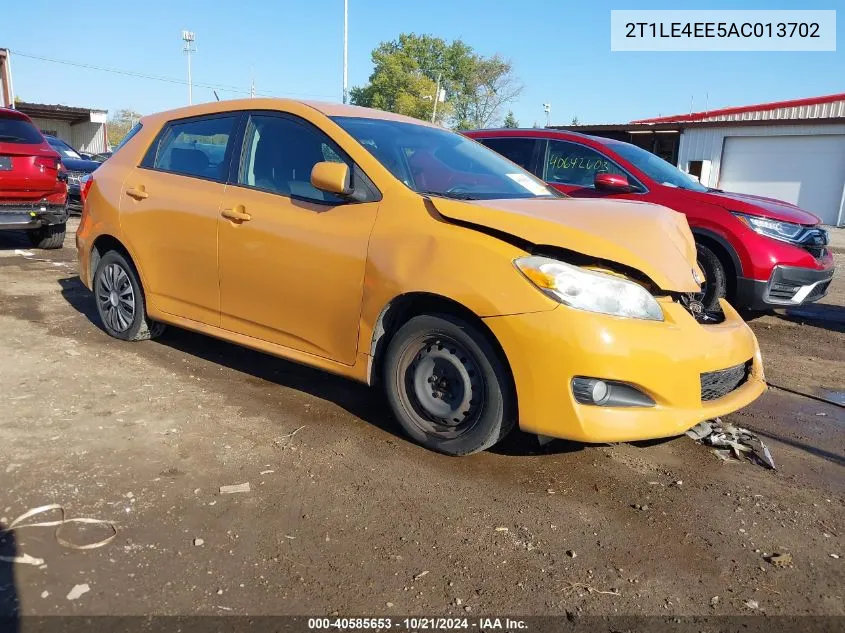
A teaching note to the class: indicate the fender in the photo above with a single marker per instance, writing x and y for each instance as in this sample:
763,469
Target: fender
724,243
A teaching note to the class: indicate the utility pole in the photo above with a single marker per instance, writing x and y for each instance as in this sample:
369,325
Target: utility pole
436,99
345,48
547,108
252,83
188,37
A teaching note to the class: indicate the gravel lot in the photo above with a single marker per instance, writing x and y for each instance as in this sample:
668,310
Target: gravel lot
344,515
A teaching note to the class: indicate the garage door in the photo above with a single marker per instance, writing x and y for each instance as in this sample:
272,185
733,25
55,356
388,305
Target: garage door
806,170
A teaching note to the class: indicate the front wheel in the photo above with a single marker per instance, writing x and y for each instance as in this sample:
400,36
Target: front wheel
120,300
48,237
447,386
715,284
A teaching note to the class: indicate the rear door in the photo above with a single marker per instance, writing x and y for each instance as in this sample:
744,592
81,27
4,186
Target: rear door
169,209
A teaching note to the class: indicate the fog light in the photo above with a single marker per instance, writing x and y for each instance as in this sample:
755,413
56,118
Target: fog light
608,393
590,390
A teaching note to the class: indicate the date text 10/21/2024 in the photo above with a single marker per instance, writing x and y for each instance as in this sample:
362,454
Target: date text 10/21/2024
416,624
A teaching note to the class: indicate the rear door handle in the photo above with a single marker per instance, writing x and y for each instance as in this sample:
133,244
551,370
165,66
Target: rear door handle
236,214
137,193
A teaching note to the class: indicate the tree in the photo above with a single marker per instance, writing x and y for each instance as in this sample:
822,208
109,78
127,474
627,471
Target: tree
120,123
406,71
575,121
510,120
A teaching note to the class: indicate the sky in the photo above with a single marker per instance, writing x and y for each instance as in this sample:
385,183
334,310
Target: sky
560,51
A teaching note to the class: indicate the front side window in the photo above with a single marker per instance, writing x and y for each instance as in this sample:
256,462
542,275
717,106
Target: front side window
279,154
434,161
576,164
521,151
657,168
196,147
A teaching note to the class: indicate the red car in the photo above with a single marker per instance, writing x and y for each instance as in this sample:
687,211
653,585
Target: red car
33,189
757,252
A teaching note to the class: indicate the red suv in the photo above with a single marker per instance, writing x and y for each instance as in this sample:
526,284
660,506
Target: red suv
33,188
757,252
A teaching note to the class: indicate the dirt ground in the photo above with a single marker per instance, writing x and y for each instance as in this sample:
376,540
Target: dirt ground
346,516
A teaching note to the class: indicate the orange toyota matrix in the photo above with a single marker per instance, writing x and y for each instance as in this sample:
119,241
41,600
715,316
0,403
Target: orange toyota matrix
398,253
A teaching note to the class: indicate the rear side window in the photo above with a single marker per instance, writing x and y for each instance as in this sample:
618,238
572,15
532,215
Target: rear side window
15,130
196,147
522,151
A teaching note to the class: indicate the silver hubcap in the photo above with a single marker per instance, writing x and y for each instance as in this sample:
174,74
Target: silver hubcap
115,298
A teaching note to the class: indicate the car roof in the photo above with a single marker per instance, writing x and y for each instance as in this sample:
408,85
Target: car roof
328,109
540,133
14,114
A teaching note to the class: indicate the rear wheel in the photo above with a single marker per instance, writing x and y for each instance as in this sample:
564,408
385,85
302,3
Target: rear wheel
120,300
447,385
715,284
48,237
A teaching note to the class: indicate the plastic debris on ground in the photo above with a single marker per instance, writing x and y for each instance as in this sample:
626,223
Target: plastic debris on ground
732,442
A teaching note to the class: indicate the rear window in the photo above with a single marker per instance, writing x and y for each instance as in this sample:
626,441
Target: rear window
194,147
14,130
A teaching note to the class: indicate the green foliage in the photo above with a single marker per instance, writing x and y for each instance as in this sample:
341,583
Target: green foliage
405,73
120,123
510,120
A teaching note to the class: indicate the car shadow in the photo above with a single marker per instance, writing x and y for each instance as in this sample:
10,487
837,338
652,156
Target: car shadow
364,402
821,315
13,240
9,600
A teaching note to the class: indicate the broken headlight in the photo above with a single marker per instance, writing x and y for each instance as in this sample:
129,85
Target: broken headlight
590,290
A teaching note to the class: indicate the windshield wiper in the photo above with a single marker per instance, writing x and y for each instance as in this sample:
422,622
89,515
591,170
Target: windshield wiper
454,195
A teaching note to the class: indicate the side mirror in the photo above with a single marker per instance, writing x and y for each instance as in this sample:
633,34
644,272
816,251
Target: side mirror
616,183
331,177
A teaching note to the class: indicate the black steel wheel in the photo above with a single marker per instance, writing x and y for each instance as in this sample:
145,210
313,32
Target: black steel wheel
447,385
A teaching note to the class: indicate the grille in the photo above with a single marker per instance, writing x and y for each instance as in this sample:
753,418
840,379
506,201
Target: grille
715,384
74,176
818,291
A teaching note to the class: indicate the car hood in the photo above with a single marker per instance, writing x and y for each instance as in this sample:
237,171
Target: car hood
80,164
762,206
649,238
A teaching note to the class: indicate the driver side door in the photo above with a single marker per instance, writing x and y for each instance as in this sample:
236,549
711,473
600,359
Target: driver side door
291,257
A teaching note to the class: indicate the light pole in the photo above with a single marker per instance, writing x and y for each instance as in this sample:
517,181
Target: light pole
547,108
345,47
189,38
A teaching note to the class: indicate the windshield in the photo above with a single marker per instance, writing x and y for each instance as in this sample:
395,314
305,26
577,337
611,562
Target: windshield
433,161
657,168
63,148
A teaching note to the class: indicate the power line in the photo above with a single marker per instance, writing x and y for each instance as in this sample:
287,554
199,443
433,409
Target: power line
172,80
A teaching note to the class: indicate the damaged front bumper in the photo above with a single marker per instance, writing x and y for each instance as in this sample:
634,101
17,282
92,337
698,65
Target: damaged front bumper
17,216
688,371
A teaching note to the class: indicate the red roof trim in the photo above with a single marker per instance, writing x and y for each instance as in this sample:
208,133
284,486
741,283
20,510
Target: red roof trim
700,116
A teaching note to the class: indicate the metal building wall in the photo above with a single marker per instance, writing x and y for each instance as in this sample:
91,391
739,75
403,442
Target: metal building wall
85,137
706,143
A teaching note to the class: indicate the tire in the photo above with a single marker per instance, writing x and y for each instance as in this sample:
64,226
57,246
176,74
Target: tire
48,237
120,300
471,408
715,282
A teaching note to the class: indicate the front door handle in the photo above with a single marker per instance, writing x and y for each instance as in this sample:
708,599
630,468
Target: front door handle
137,192
236,214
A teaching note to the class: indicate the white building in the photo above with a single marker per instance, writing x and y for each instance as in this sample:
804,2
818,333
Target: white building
84,129
790,150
